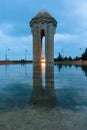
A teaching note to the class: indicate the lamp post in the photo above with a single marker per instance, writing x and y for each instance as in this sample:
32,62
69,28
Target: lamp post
25,55
6,54
62,52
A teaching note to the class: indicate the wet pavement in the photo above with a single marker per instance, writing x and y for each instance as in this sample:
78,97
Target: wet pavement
43,97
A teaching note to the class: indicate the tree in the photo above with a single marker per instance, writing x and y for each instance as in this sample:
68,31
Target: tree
59,57
65,58
77,58
84,55
70,58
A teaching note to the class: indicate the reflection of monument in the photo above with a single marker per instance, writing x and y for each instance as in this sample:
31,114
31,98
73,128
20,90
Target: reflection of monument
43,96
43,25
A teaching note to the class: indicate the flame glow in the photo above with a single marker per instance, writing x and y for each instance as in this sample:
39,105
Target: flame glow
43,63
43,60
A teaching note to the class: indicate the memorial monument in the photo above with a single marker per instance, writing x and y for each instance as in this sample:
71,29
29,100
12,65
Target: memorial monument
43,25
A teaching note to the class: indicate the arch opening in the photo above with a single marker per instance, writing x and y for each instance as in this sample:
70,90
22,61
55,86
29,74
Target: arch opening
43,46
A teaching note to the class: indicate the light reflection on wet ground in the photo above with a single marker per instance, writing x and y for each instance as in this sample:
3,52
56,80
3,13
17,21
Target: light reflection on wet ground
35,97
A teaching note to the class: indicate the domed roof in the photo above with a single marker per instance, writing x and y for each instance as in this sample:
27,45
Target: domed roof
44,13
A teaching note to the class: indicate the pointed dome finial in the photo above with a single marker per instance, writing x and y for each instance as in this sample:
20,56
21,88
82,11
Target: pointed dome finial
43,12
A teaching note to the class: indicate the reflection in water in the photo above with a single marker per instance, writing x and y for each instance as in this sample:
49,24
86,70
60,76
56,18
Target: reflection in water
25,70
60,66
22,107
43,96
6,69
19,89
84,68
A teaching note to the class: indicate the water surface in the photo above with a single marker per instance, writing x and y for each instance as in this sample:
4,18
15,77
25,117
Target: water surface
52,96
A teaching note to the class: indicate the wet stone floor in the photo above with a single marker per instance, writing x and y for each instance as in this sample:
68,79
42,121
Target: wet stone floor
43,97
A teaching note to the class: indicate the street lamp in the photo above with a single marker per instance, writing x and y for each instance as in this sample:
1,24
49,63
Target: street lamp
6,54
25,55
62,52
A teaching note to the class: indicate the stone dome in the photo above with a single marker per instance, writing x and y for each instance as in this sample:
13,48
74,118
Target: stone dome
43,15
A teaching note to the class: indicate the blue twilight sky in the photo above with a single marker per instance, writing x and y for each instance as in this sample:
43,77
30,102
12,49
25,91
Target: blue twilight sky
15,33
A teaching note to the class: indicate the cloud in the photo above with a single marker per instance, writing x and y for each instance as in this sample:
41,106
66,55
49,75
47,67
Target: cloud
6,27
64,37
17,45
15,31
81,13
12,41
82,9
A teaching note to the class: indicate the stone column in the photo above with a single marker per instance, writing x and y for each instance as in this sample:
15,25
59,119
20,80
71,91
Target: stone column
36,46
50,44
